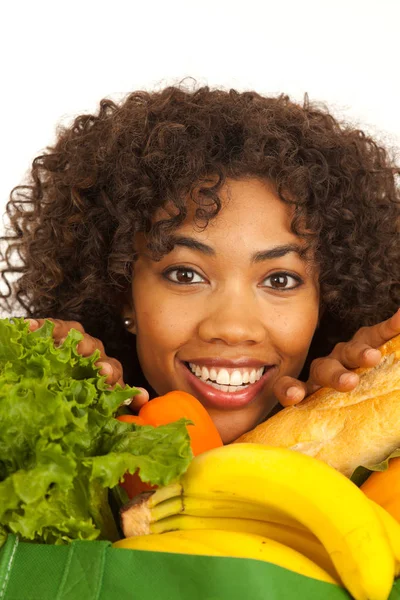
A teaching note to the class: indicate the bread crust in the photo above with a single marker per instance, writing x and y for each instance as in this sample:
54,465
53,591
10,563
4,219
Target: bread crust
344,429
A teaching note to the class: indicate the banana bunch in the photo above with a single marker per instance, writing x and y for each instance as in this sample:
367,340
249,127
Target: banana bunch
274,504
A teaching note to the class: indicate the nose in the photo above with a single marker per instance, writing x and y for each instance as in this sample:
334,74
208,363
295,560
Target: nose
233,320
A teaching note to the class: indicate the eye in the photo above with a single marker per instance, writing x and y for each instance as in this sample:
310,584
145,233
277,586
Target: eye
183,276
282,281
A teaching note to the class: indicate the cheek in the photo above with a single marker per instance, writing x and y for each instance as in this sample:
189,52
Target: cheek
162,328
294,331
158,325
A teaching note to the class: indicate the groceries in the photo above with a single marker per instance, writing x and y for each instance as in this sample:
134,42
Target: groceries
63,452
167,409
61,449
345,429
290,490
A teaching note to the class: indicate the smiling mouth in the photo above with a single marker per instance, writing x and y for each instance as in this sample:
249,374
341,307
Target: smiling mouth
226,379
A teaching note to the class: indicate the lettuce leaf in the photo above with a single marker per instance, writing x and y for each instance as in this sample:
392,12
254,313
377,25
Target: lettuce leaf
61,448
361,473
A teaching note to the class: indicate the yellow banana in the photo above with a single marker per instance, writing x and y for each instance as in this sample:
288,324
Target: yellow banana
392,528
308,490
218,507
298,539
228,543
137,516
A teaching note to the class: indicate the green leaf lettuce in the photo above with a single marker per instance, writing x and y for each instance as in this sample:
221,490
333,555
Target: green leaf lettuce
61,448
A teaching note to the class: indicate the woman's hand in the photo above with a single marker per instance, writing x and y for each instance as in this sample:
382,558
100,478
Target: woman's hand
333,370
110,367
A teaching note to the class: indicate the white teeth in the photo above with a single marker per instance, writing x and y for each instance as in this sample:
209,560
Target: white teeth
223,377
213,374
221,388
230,379
236,378
204,374
226,388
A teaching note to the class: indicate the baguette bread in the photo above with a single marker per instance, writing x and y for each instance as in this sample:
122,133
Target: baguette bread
344,429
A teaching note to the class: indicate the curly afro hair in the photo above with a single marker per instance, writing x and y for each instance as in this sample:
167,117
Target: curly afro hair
70,250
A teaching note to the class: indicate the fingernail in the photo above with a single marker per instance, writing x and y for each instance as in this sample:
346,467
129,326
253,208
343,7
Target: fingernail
60,342
105,368
371,353
33,324
348,379
294,393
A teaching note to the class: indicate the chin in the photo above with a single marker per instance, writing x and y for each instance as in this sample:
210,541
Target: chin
231,426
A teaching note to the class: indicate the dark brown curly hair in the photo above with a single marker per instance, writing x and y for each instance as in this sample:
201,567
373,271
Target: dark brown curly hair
69,251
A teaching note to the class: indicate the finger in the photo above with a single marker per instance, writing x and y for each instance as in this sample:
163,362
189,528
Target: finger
109,367
112,369
33,324
61,328
329,372
376,335
354,354
89,344
122,384
137,401
289,390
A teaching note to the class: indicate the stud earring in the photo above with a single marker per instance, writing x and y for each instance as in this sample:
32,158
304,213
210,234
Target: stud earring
128,323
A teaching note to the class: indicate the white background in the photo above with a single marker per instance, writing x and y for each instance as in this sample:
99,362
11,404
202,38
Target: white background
58,59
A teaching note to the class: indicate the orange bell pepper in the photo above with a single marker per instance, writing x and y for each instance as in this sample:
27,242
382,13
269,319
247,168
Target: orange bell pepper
167,409
384,488
132,419
177,405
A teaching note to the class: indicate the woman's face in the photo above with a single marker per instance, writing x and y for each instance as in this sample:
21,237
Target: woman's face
229,310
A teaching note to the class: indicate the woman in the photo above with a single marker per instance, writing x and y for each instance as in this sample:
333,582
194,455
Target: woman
241,248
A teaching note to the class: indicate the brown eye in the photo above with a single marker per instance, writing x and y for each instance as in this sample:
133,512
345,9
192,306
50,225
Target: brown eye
279,281
183,276
282,281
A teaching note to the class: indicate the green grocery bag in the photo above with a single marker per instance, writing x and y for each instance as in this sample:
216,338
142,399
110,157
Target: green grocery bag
97,571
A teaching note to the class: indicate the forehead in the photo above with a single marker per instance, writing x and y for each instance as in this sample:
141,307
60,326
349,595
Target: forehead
250,209
243,202
252,218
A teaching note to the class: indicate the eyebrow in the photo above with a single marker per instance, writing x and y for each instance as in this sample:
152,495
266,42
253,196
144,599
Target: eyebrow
257,257
188,242
278,252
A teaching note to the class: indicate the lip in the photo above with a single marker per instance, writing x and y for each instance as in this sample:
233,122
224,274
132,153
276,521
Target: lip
213,398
